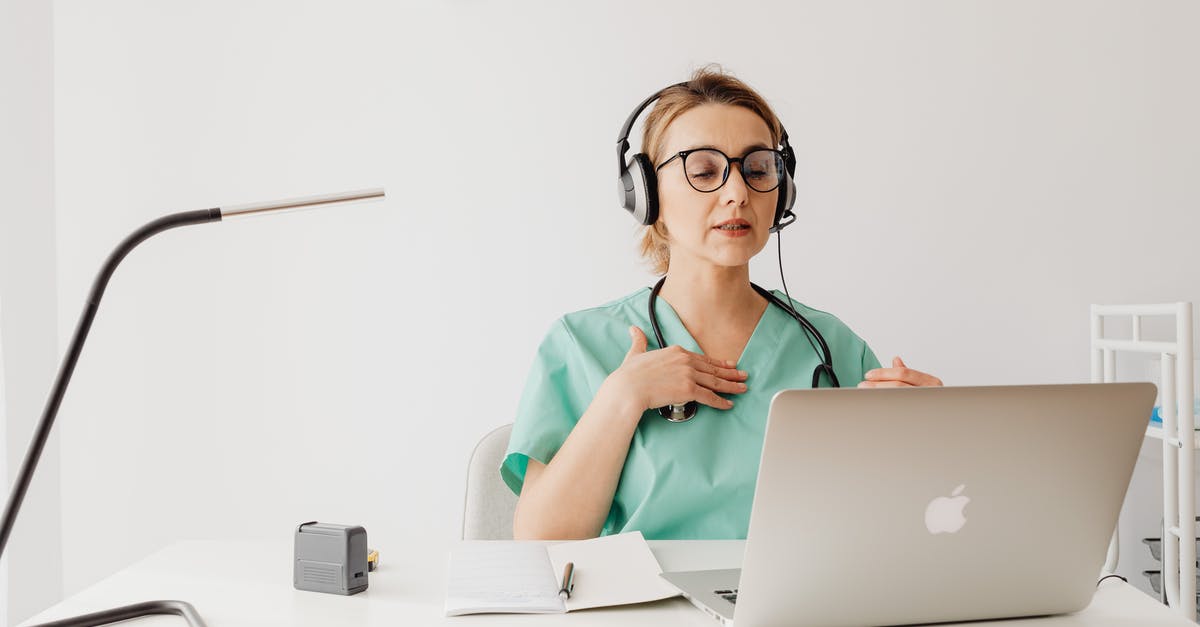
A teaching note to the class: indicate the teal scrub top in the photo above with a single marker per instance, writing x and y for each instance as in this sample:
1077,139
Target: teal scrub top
686,480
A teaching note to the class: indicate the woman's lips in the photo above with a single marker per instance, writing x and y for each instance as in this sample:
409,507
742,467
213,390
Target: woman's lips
733,228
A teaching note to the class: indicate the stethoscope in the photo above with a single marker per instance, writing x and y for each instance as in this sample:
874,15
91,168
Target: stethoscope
685,412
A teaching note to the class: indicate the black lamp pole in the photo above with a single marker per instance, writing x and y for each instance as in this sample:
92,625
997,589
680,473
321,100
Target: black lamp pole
42,432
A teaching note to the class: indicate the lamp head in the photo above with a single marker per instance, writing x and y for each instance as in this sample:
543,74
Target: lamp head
304,202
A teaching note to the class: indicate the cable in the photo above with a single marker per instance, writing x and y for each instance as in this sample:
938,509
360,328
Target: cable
1107,576
827,367
779,256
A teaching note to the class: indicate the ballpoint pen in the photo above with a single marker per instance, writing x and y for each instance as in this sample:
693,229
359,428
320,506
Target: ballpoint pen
568,581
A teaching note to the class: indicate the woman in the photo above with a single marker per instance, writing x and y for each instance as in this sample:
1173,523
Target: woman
589,453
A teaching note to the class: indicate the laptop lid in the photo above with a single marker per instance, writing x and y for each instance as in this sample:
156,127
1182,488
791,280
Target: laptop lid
916,505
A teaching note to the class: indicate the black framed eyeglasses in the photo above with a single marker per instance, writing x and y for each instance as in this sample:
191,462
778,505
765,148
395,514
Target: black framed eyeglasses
707,169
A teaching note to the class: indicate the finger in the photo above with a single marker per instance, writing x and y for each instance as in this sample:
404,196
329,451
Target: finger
720,363
898,363
907,375
717,384
886,384
638,342
730,374
710,398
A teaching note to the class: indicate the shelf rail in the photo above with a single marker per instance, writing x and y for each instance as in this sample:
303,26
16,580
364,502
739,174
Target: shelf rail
1179,451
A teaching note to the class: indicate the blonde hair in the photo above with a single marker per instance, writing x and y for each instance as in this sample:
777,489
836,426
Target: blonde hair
708,85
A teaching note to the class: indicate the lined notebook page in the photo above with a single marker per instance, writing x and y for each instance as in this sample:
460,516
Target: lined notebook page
490,576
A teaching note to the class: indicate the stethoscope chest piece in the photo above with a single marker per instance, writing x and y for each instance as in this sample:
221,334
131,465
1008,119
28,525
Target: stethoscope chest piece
679,413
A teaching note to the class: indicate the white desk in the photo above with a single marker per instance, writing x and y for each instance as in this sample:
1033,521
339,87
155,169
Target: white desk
250,583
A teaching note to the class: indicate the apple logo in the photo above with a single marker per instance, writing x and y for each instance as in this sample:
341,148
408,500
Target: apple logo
945,513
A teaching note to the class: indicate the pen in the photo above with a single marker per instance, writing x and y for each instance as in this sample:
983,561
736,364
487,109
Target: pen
568,583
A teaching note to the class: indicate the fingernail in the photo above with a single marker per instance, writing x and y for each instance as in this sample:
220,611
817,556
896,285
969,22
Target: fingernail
743,387
742,373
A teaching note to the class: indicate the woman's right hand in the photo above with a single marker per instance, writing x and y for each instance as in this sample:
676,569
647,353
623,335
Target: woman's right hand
674,376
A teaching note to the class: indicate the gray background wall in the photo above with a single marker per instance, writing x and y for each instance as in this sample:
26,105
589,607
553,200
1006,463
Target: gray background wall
27,298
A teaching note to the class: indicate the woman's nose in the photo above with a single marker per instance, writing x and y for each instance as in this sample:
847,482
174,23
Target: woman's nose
735,187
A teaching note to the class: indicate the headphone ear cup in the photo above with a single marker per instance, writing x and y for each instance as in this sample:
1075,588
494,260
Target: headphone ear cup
639,190
783,205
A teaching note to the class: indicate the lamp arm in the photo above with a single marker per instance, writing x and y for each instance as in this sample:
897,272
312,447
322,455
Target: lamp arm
42,433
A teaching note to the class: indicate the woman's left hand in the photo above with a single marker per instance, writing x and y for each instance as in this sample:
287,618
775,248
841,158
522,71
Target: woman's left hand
898,376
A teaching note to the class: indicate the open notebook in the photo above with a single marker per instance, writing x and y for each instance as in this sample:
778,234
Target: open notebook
488,576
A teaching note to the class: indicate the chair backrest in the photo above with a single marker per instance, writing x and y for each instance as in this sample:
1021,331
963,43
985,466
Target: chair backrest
489,505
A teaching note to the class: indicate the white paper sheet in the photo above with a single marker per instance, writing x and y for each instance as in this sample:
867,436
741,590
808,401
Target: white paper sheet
612,570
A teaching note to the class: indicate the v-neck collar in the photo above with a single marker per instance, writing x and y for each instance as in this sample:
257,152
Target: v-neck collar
674,332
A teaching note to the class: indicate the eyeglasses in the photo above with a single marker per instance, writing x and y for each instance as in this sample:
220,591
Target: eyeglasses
707,169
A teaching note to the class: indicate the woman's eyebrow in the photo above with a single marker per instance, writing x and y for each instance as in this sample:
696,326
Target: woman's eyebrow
755,146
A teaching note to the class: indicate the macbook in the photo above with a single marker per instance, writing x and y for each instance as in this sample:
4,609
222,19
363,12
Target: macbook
921,505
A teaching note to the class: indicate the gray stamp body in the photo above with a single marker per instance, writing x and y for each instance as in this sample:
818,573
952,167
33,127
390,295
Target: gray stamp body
330,558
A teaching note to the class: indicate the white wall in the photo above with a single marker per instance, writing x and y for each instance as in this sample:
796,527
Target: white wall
972,175
4,477
27,301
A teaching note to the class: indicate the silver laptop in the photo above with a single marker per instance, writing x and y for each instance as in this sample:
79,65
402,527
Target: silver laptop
920,505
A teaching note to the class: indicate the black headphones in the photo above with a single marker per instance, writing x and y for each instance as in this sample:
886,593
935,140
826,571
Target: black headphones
637,183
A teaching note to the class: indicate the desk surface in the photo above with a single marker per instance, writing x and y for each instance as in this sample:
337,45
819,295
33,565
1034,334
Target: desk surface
250,583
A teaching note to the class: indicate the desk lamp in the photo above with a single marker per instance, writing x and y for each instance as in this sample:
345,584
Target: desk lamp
42,432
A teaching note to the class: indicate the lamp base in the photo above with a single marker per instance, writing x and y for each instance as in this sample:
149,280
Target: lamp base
117,614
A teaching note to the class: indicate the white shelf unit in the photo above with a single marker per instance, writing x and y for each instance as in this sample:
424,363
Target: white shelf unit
1179,439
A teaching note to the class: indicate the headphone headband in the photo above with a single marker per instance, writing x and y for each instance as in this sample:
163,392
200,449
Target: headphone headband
623,140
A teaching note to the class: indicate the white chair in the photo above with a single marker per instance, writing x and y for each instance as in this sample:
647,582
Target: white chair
489,505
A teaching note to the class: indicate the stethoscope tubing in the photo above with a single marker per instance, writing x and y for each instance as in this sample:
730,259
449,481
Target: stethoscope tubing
685,412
